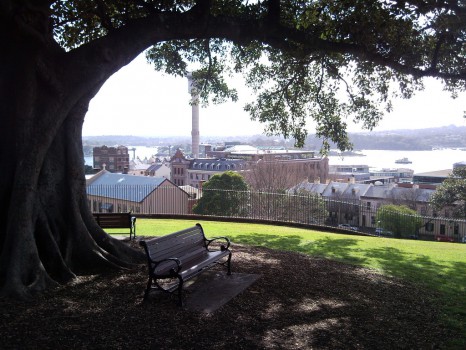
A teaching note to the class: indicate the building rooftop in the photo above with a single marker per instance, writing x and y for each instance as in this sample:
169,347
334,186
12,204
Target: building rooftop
437,173
110,185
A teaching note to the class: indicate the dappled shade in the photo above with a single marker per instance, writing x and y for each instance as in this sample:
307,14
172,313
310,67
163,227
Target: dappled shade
298,302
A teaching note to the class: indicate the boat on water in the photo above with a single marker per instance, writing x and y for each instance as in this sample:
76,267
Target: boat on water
403,161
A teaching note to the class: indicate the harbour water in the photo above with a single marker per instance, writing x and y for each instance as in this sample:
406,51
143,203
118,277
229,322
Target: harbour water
422,161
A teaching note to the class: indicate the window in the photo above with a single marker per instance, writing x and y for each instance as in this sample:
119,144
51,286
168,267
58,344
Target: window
372,220
430,227
442,229
368,205
456,229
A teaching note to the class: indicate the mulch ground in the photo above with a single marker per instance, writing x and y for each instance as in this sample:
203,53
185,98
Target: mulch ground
299,302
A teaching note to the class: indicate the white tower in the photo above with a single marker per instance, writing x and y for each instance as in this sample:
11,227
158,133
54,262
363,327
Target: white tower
195,116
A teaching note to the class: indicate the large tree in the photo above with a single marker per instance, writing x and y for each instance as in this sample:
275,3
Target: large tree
451,194
300,57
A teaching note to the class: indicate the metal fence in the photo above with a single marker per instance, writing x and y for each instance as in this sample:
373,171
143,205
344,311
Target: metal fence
302,208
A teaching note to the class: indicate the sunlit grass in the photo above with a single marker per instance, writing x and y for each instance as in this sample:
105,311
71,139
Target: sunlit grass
438,266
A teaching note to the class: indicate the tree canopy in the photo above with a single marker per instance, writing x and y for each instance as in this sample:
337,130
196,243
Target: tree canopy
222,195
328,61
399,219
451,194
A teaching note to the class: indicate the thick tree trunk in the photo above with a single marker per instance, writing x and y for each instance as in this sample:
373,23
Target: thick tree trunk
47,233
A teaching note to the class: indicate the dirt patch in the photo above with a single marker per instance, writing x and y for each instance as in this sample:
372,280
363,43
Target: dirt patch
298,302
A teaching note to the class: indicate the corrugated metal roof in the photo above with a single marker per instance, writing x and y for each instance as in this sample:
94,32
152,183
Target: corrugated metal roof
122,186
154,167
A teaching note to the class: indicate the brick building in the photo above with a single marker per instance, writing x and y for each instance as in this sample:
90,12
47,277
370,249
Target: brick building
113,159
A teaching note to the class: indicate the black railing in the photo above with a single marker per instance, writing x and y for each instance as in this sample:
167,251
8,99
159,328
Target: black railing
302,208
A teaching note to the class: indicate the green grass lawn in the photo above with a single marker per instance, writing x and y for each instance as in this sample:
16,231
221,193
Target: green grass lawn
438,266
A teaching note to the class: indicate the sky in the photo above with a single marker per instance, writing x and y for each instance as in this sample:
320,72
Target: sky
139,101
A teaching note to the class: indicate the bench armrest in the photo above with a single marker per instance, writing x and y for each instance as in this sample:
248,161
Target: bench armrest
133,225
176,260
222,247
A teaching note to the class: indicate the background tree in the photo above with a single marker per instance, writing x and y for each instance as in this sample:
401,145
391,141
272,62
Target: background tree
401,220
307,207
452,194
223,195
297,56
276,176
414,198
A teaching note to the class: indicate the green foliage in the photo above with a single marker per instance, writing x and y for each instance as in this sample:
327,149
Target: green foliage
310,205
399,219
88,170
452,193
330,62
222,195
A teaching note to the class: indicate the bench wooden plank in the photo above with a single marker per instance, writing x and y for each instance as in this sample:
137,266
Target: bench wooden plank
182,255
117,220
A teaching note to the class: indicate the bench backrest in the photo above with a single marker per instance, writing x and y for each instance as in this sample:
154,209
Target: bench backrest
188,243
113,220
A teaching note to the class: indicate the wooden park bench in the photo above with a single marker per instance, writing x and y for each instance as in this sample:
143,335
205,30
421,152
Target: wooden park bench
182,255
117,220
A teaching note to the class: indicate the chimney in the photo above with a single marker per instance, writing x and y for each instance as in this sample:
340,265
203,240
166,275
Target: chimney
195,116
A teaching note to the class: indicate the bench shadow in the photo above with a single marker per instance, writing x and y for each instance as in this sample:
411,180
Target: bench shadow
299,302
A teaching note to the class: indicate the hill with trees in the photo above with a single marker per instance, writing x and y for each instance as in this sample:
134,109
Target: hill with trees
403,140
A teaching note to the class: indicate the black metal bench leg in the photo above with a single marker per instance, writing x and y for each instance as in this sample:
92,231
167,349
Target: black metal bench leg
229,264
148,288
180,292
